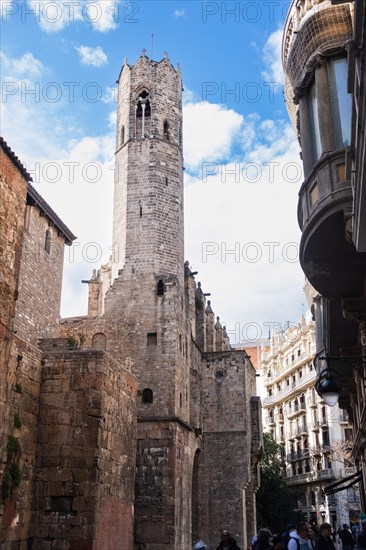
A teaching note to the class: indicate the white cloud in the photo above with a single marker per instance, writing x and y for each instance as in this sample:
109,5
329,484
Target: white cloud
241,227
209,131
180,13
102,15
272,56
27,65
95,57
110,95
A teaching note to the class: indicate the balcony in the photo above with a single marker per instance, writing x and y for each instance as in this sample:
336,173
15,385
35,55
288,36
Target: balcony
328,473
327,256
288,390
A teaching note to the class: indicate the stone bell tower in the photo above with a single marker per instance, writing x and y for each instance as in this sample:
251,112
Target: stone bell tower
145,304
148,201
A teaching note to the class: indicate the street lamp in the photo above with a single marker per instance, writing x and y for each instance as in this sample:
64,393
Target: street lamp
327,383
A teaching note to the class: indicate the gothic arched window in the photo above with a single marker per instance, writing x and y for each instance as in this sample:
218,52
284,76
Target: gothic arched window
143,114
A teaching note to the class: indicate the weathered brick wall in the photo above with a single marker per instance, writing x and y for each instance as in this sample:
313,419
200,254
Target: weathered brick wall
38,307
86,449
18,442
15,407
13,192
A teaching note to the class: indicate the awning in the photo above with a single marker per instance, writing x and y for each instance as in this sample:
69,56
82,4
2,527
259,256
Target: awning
339,485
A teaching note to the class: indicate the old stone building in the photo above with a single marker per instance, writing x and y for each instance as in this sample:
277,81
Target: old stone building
177,460
323,56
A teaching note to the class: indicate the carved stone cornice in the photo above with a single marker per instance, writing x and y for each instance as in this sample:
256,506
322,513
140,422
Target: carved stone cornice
354,308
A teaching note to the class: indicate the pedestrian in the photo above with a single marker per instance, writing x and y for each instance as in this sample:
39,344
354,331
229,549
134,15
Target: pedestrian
263,539
277,542
291,528
227,542
298,538
312,536
346,537
200,545
325,541
361,536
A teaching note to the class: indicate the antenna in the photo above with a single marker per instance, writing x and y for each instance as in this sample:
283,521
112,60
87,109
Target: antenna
152,46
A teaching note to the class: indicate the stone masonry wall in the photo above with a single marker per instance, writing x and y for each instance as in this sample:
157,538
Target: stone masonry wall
38,307
225,465
86,449
18,442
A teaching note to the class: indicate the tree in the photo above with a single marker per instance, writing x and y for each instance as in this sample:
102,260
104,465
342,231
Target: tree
276,502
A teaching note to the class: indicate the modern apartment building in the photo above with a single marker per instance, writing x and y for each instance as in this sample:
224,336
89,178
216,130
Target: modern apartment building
324,60
315,439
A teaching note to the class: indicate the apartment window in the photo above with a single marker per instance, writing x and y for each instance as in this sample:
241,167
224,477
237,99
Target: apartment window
341,101
341,172
314,122
314,194
287,381
348,434
300,373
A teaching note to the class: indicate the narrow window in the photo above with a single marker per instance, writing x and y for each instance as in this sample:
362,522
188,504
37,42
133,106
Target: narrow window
166,181
99,341
147,395
27,217
160,288
122,135
166,130
341,172
314,194
341,101
47,241
152,339
314,120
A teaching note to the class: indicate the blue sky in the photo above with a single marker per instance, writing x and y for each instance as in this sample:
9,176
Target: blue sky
60,63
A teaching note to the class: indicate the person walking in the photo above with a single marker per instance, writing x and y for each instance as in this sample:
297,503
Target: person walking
298,538
325,541
312,536
200,545
263,540
227,542
346,538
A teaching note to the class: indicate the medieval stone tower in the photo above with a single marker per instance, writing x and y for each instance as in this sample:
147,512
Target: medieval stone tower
146,434
148,290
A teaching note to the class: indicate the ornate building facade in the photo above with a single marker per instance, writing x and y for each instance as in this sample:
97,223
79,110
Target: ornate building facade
149,431
315,439
324,62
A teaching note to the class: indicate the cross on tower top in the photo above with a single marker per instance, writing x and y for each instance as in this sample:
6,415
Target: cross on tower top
144,52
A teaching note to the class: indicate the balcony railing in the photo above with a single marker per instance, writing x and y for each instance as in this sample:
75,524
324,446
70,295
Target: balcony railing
288,389
328,473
